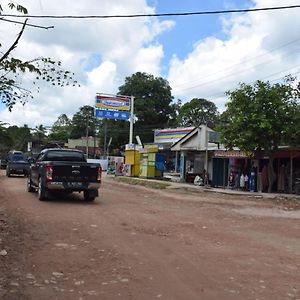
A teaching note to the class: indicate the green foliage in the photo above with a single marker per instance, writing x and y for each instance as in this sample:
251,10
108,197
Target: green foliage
198,111
13,71
84,122
61,129
18,7
39,136
6,141
118,130
262,116
152,104
14,137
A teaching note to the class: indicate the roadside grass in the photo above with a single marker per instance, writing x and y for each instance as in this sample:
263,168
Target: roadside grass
146,183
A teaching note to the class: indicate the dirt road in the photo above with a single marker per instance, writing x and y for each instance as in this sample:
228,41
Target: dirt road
139,243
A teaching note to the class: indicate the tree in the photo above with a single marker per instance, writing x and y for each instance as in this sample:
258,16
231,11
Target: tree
6,140
84,122
13,5
152,103
13,71
118,131
61,129
39,136
13,137
198,111
262,117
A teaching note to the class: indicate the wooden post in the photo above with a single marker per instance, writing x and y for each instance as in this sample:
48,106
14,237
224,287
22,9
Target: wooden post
291,174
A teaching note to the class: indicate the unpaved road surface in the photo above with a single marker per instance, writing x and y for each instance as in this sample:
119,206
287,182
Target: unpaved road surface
140,243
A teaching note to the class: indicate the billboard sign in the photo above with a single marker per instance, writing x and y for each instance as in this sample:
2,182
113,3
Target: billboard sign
113,102
170,135
112,114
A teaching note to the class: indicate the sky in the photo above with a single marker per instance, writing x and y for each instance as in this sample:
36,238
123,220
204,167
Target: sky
201,56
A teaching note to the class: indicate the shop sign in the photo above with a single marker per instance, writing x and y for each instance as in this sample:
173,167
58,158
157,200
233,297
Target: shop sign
113,102
170,135
230,154
214,137
112,114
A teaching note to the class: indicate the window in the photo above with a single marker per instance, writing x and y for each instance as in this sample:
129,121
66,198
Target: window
58,155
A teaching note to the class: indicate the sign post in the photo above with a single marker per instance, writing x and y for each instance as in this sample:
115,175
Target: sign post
131,120
117,107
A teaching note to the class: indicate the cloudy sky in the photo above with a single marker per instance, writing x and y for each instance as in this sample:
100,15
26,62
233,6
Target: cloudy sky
201,56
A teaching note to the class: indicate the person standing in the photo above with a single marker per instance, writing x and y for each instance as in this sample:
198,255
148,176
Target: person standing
242,181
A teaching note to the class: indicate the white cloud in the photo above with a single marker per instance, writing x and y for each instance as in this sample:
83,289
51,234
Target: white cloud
251,51
102,52
123,46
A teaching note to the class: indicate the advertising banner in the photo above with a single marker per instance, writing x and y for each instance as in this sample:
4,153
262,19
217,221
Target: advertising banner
170,135
112,114
113,102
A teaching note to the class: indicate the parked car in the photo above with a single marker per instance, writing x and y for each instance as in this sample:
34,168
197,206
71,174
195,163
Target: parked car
17,163
66,170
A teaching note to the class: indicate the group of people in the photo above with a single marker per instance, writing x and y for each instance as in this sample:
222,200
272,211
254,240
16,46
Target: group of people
242,181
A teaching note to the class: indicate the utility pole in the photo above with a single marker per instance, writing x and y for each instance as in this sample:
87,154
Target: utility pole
105,136
131,120
87,136
206,148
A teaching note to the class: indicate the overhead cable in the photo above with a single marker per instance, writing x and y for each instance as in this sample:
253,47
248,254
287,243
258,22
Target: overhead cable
231,67
30,25
154,15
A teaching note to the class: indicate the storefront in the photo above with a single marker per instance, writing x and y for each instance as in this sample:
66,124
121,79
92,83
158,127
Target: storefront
236,169
165,138
196,149
286,167
230,168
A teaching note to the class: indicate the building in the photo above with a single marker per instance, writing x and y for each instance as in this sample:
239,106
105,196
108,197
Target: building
88,145
165,138
195,150
201,154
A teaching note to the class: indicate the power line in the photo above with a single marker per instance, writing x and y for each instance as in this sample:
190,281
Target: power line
231,74
240,63
155,15
222,94
30,25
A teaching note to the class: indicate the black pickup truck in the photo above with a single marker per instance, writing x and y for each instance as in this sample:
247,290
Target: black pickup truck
64,170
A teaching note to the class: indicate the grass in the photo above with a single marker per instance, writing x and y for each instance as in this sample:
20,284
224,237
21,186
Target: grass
143,182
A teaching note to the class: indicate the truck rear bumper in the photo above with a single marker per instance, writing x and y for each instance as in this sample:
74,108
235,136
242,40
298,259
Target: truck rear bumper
73,186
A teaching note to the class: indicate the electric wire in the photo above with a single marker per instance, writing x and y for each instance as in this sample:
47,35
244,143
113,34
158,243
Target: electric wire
242,62
29,25
222,94
232,74
155,14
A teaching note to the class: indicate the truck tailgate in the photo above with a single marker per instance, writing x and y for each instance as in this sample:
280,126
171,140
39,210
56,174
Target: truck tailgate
75,173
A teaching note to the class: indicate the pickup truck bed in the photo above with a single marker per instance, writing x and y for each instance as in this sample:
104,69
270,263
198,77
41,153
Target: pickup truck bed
64,170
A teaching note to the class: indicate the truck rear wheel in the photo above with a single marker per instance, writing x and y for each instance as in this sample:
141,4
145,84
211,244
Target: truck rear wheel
88,196
42,193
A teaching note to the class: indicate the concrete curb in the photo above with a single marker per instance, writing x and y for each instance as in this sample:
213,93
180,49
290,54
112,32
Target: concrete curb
180,185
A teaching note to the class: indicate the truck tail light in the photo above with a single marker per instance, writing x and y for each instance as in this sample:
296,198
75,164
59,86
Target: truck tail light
49,172
99,173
